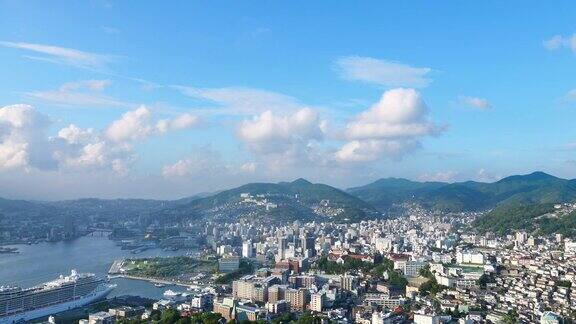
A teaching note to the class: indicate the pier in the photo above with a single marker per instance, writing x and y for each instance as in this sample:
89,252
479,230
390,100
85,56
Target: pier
116,267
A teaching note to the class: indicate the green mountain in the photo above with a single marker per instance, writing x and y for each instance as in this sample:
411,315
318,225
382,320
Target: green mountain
534,188
384,193
541,219
288,201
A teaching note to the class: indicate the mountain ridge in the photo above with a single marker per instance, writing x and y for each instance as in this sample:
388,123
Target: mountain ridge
309,200
532,188
302,199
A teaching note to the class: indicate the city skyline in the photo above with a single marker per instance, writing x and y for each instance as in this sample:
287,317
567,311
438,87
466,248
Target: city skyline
113,99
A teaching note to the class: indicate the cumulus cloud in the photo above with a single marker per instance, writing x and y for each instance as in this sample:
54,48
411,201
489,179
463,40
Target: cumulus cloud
372,150
73,134
21,137
243,101
285,136
178,169
24,143
392,127
558,42
80,149
133,125
183,121
137,125
476,102
63,55
382,72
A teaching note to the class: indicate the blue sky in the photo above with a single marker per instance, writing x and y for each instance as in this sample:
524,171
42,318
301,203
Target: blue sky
133,99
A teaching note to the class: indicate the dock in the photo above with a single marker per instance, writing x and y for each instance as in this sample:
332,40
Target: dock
116,267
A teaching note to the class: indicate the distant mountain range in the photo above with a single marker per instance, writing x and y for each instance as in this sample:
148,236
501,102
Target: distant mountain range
534,188
304,200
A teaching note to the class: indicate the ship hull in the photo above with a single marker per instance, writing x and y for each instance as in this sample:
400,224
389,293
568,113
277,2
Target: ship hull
54,309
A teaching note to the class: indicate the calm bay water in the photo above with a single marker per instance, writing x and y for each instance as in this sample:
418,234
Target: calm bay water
45,261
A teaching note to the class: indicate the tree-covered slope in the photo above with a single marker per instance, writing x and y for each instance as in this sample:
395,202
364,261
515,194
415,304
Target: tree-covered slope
384,193
541,219
534,188
299,199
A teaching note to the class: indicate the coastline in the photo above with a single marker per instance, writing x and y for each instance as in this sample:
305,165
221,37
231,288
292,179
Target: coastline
115,272
154,280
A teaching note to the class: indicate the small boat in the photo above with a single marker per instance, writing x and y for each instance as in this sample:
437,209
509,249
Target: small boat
159,285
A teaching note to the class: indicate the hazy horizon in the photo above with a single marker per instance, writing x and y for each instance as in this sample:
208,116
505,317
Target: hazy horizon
208,193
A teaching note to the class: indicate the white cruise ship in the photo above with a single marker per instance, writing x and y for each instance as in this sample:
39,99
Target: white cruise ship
67,292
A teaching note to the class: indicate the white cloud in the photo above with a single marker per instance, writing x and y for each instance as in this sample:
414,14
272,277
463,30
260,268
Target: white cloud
73,134
132,126
382,72
553,43
25,145
249,167
476,102
137,125
113,148
243,101
178,169
442,176
21,137
372,150
64,55
392,127
183,121
92,154
87,93
205,162
80,149
270,132
485,176
93,85
569,97
558,42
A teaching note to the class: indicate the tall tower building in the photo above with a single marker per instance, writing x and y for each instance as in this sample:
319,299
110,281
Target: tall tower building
281,247
247,249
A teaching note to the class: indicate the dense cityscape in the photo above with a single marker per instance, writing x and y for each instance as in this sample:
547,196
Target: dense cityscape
421,267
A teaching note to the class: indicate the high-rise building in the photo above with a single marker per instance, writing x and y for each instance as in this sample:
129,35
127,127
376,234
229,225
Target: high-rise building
347,282
69,227
202,302
226,308
297,298
307,243
278,307
243,288
412,268
247,249
317,302
281,248
276,293
302,281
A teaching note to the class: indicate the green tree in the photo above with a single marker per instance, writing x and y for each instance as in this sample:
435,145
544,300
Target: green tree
511,317
169,316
